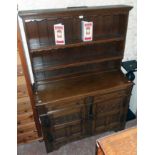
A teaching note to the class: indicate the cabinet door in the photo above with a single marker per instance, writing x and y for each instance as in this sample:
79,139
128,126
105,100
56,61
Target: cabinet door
62,126
109,112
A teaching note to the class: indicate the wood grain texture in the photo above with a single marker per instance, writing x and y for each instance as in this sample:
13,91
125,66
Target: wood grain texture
26,128
27,85
25,118
23,105
84,146
79,88
52,61
21,91
18,59
19,70
85,85
27,137
122,143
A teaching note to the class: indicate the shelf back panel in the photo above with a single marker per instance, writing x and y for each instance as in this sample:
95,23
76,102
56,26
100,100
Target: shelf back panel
104,53
40,33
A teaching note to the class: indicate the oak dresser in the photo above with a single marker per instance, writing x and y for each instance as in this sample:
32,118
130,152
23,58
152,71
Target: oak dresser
79,88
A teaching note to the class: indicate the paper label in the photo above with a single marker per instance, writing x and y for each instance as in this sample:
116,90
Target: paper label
59,34
87,31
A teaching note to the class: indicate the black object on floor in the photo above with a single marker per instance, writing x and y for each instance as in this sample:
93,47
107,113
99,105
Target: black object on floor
130,115
130,67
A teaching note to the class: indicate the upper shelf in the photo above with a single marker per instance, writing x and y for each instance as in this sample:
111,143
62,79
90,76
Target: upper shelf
76,43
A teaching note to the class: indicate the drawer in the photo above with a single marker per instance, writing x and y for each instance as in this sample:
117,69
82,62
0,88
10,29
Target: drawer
112,95
59,105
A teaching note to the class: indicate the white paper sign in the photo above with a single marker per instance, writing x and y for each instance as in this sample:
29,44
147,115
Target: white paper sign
59,34
87,31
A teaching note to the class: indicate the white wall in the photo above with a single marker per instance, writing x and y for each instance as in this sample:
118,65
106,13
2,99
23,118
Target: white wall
131,42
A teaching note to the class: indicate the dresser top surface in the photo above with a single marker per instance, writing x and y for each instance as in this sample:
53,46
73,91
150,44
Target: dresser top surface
81,86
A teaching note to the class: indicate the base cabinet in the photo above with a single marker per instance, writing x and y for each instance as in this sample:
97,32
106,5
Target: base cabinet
90,116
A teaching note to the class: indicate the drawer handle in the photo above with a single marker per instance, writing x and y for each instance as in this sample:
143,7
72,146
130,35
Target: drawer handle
90,108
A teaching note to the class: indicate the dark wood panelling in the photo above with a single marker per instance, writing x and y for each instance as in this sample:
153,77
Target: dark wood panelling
68,123
73,70
108,41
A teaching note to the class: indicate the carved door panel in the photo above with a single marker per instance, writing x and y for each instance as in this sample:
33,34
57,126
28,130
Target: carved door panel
63,126
109,112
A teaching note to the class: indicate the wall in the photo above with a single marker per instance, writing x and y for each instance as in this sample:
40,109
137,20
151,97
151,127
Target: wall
131,42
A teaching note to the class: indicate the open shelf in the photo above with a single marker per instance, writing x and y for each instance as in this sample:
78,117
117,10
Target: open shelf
76,43
51,68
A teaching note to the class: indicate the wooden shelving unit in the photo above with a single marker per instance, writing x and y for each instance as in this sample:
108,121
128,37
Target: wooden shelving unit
79,89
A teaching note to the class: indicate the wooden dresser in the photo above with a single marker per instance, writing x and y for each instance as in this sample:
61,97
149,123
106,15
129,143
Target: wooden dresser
26,127
79,88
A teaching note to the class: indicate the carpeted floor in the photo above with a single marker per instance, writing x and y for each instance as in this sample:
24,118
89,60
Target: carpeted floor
82,147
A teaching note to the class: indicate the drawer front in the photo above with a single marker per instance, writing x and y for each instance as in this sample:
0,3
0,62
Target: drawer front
62,126
112,95
43,109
